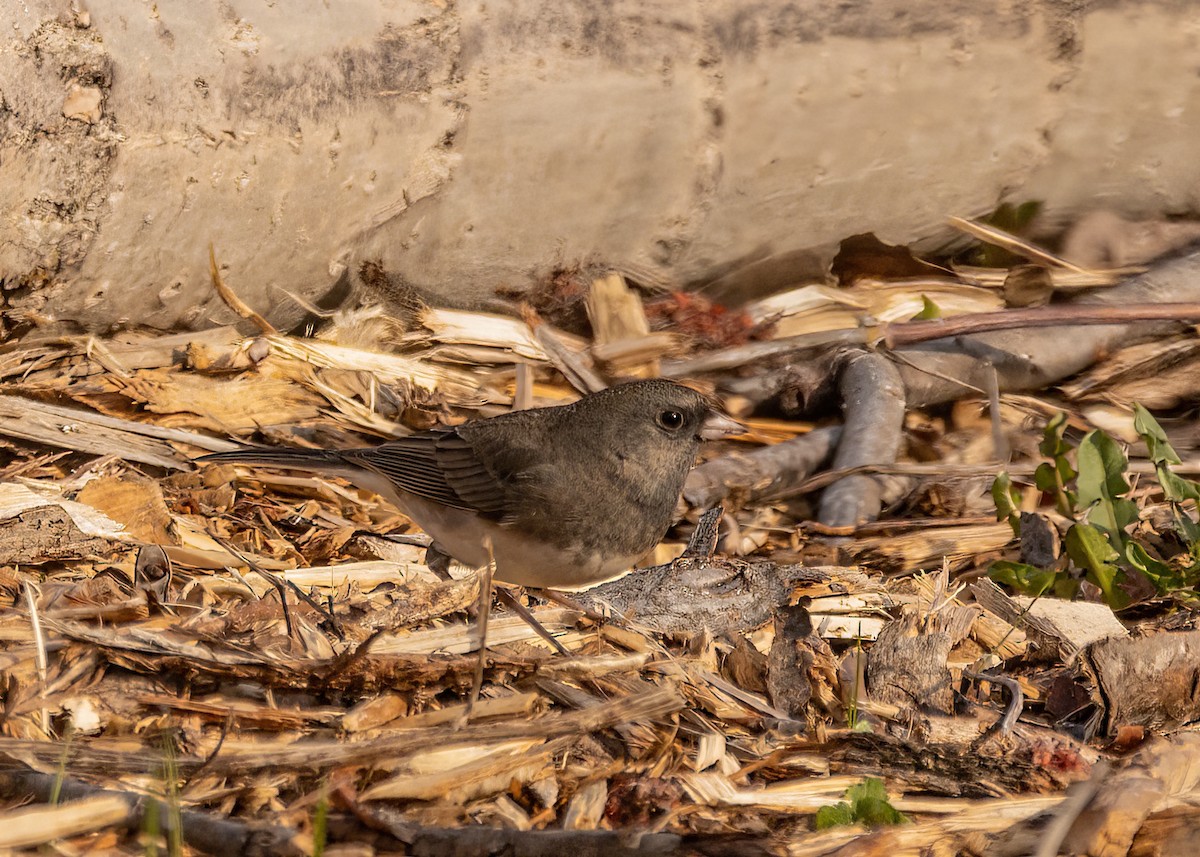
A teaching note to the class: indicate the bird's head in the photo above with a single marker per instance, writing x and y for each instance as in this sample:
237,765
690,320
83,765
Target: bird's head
659,413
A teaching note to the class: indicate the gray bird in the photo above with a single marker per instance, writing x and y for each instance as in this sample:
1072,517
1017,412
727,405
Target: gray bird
568,496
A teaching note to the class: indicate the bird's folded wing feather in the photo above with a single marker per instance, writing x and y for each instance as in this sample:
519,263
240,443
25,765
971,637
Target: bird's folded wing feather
439,465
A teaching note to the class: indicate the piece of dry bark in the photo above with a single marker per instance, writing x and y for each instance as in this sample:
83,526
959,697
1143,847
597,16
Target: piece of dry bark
321,753
576,367
719,594
790,660
1148,681
133,501
620,330
1057,630
444,841
908,668
1171,832
38,825
420,601
746,666
910,548
955,768
44,535
87,431
165,652
1040,542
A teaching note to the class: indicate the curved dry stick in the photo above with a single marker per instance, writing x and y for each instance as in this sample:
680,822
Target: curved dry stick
873,402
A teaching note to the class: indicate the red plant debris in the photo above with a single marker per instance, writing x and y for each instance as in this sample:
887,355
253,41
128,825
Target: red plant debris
710,325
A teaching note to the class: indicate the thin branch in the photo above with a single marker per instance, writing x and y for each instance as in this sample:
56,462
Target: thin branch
911,332
231,299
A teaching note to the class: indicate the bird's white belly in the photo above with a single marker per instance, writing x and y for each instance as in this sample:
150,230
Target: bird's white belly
464,536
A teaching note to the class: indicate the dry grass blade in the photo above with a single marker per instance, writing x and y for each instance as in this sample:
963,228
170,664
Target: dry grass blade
1013,244
230,297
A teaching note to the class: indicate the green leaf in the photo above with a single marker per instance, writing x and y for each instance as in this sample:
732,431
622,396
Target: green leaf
1053,477
1090,550
929,310
1025,578
1053,445
838,815
1102,467
1066,587
1026,213
1045,477
1066,473
1189,531
867,804
1102,486
870,803
1014,219
1151,432
1088,547
1004,216
1175,487
1112,517
1007,498
1164,578
1067,501
1056,474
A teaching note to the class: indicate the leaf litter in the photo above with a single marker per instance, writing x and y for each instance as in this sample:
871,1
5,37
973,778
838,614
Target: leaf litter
230,660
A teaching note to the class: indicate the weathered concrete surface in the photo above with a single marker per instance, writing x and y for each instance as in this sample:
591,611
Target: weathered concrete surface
469,145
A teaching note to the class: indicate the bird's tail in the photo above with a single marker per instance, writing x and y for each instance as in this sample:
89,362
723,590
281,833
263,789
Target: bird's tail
327,462
318,460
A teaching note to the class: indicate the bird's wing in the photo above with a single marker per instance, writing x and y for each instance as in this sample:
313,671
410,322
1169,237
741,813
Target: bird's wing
438,465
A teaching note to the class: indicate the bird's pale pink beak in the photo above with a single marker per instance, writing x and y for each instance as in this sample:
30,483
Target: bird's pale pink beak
717,426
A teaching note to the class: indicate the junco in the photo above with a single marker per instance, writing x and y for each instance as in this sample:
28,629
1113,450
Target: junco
568,495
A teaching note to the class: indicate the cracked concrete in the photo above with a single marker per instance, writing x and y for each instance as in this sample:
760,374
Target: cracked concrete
467,145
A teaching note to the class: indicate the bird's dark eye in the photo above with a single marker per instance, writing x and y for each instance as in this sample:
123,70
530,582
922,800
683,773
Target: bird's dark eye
671,420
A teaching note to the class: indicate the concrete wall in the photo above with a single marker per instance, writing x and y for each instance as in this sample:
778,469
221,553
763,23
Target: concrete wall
468,145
